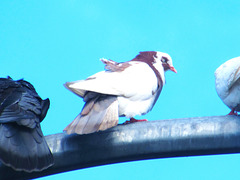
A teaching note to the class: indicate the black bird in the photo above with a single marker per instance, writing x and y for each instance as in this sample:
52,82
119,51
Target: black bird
22,144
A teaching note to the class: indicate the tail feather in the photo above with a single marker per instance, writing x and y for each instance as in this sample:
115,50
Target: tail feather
102,115
23,148
110,116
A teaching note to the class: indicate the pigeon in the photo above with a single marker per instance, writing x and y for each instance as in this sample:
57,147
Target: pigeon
227,82
124,89
22,144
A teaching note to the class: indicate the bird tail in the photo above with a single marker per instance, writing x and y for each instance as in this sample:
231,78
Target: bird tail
99,113
24,149
45,106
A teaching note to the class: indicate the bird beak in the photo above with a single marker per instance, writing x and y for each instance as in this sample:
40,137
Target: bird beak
173,69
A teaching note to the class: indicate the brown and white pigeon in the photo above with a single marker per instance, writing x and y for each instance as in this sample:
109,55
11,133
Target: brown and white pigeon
124,89
22,144
227,82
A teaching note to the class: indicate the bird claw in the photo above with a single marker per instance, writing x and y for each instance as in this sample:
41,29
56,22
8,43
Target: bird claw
233,112
133,120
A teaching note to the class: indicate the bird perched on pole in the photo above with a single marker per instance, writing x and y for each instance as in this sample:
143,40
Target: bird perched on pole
22,144
124,89
227,82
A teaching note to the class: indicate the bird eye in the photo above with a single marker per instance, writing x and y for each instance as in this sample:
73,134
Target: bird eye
164,60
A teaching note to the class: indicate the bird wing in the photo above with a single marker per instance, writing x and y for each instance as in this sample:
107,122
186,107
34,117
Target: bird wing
137,78
20,106
20,147
226,76
24,148
235,76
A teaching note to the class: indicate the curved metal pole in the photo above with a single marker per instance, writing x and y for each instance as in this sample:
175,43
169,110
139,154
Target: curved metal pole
139,141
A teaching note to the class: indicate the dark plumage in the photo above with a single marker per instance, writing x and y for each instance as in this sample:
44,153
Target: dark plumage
22,144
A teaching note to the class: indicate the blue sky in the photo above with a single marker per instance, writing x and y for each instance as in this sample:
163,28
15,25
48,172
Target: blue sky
51,42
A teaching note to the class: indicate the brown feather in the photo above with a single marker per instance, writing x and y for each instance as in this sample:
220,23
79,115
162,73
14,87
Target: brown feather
115,66
87,107
99,113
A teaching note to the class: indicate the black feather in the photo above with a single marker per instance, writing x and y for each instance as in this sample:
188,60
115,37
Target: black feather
22,144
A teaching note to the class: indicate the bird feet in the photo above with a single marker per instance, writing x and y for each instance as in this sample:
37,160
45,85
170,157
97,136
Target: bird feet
133,120
233,112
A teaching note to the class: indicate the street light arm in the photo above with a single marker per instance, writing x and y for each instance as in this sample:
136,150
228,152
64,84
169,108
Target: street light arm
139,141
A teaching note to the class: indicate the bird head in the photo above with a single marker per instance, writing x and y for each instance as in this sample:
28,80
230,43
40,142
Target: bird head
166,61
156,58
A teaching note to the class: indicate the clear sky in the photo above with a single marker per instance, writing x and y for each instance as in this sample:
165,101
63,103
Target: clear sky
51,42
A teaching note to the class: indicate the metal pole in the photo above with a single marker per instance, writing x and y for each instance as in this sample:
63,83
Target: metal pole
139,141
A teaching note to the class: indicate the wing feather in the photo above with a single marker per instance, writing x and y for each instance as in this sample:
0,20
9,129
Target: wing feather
22,144
235,77
137,79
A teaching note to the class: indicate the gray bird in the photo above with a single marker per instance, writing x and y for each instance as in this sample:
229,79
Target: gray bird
124,89
22,144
